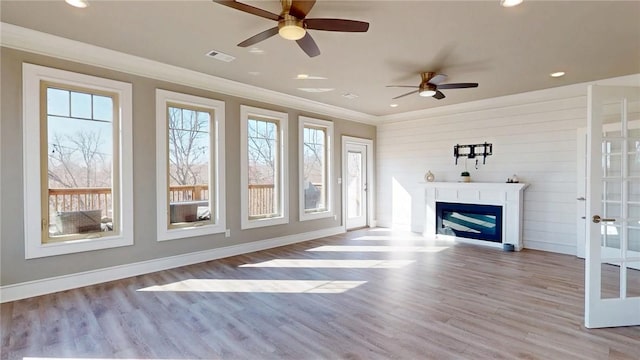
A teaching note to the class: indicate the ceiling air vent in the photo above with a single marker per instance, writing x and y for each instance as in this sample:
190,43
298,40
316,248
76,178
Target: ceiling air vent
220,56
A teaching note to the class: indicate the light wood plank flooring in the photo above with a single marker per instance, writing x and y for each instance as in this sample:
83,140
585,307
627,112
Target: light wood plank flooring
368,294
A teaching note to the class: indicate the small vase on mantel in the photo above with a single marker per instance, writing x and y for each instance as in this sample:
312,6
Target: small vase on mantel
465,177
429,177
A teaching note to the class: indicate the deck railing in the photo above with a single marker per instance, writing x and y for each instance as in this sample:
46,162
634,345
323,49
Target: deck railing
80,199
261,199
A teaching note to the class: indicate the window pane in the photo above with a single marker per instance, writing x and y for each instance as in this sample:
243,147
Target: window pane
263,166
81,105
354,182
79,168
102,108
189,165
57,102
315,169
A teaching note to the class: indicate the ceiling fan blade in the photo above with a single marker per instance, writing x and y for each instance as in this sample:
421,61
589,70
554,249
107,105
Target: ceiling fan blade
407,94
337,25
249,9
259,37
437,79
308,45
457,86
439,95
402,86
300,8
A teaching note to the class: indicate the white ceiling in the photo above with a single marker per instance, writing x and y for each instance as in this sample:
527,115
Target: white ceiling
505,50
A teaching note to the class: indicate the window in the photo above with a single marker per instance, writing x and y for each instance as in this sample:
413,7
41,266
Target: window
78,183
315,165
263,170
190,165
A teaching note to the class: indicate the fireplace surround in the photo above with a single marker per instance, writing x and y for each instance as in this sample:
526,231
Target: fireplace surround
475,205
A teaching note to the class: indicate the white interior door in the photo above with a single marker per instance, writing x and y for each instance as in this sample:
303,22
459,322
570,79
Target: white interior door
356,185
612,275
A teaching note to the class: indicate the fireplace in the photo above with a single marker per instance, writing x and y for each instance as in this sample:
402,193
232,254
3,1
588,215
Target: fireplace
476,206
471,221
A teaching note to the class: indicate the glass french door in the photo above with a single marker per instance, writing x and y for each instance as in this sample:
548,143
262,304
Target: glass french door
612,267
356,185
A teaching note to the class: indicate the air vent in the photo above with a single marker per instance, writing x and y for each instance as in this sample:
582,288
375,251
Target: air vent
220,56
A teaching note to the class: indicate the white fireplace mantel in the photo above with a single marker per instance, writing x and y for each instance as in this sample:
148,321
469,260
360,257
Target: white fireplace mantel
508,195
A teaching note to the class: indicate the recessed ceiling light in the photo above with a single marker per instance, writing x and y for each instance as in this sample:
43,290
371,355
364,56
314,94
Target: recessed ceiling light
309,77
350,96
394,105
316,90
557,74
254,73
255,50
78,3
510,3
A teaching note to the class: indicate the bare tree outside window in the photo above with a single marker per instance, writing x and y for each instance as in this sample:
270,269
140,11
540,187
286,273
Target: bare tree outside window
188,146
76,161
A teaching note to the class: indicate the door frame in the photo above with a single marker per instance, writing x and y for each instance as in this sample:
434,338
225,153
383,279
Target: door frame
370,181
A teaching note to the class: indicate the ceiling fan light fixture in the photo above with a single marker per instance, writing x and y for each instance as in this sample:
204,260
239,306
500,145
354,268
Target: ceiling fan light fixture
427,93
291,28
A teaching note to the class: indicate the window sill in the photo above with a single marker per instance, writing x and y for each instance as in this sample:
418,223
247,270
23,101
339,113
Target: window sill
76,246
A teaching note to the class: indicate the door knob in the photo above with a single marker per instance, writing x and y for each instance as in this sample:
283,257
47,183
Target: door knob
581,198
597,219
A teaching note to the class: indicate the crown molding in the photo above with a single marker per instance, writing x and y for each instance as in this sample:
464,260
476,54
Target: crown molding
20,38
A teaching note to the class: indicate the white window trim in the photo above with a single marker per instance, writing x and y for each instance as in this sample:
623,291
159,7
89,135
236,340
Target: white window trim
32,75
217,190
328,126
282,119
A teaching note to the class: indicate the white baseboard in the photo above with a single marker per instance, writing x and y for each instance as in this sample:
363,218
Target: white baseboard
72,281
545,246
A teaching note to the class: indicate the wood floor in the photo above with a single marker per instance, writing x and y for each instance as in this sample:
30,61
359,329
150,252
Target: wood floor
368,294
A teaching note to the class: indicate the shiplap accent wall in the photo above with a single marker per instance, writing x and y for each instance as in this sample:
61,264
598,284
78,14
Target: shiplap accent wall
534,136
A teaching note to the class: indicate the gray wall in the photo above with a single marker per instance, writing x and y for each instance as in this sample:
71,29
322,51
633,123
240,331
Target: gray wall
13,266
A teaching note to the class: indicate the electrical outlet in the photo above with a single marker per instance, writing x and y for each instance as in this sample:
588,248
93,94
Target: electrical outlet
335,217
227,233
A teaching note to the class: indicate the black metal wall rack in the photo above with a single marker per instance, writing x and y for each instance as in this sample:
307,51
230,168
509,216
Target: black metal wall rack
472,151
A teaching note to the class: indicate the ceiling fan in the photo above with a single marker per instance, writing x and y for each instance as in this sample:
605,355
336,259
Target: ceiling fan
431,85
293,23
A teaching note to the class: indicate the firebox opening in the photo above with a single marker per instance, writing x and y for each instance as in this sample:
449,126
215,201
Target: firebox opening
471,221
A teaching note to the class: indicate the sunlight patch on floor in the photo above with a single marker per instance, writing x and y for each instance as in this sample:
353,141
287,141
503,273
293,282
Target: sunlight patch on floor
416,249
342,264
391,238
258,286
